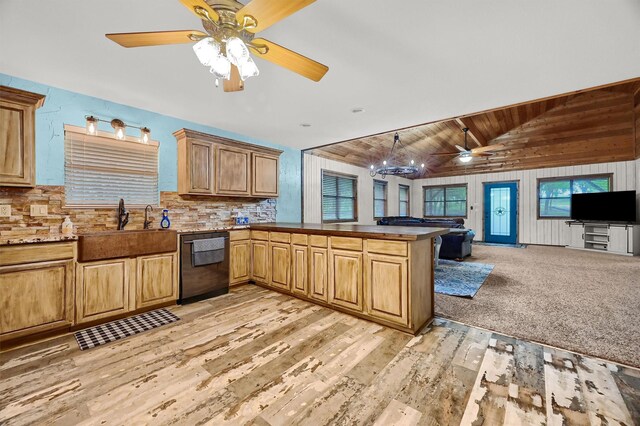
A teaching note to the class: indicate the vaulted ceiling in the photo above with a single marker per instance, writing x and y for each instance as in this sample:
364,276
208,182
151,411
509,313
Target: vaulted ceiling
585,127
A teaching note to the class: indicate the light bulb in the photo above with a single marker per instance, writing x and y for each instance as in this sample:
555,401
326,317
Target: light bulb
422,165
237,51
412,162
145,135
206,50
120,133
221,67
92,125
371,167
248,69
465,158
384,162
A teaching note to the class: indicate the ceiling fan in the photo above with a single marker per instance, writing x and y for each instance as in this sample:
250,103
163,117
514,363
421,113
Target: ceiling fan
466,155
229,36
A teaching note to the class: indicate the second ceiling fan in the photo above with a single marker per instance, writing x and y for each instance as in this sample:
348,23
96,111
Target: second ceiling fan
466,154
230,35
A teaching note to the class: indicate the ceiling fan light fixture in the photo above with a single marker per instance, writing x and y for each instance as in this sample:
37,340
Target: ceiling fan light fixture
206,50
465,157
248,68
237,51
221,67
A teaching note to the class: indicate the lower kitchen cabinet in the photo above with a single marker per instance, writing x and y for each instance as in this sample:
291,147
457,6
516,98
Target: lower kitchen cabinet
239,261
35,297
280,265
259,261
387,286
318,273
299,269
345,279
156,279
103,289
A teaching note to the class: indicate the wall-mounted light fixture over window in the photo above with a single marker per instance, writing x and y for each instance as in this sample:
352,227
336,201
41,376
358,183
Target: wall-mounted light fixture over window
119,127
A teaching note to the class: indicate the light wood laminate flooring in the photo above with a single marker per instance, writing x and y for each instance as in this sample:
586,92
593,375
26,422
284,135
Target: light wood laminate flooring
259,357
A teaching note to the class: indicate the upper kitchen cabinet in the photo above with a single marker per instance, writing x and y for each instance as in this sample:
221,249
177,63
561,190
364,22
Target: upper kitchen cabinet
18,136
213,165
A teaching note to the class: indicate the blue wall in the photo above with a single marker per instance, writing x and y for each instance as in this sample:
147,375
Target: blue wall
63,107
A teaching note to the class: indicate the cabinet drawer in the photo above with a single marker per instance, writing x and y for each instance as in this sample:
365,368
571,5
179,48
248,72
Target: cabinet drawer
280,237
244,234
346,243
395,248
318,241
299,239
29,253
260,235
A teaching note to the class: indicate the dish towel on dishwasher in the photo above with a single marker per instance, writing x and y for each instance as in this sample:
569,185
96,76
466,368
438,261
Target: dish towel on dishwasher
207,251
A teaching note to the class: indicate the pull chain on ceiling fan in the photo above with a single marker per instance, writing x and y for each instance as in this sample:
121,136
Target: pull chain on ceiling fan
229,39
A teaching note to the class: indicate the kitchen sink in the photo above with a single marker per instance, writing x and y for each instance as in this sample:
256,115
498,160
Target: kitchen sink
114,244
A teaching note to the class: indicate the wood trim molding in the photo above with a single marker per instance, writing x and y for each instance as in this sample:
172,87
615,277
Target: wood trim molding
192,134
12,94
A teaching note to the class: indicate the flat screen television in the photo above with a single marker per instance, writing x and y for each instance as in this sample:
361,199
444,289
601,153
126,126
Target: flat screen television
619,206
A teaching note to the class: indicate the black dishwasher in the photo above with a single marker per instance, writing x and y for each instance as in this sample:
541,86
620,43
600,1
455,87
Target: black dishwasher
204,265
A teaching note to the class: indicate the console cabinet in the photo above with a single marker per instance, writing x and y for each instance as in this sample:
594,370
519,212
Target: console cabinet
604,237
216,166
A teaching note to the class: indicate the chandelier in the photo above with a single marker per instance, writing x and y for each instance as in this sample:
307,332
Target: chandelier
220,54
391,166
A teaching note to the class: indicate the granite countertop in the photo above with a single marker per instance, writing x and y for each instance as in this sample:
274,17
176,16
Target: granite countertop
405,233
36,239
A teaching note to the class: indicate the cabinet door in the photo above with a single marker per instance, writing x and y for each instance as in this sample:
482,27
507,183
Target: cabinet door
239,255
387,286
265,175
156,279
17,144
299,269
576,236
232,175
319,273
35,297
618,240
345,279
102,289
280,263
259,261
201,165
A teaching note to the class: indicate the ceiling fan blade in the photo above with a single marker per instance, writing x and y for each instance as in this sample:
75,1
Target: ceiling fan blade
461,149
193,6
439,154
482,154
235,84
488,148
288,59
155,38
267,12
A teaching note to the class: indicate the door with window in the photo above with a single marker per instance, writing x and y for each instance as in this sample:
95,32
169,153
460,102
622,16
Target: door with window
501,212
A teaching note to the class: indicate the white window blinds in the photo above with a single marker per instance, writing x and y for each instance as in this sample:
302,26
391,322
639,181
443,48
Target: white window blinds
339,198
99,170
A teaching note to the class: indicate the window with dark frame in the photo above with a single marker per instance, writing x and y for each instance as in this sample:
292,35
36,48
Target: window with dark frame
554,194
379,199
404,196
445,201
339,197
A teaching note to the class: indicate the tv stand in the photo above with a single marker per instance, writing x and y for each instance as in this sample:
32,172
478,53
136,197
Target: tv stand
615,238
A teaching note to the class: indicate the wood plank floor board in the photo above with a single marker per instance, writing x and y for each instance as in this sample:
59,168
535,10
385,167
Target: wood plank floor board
258,357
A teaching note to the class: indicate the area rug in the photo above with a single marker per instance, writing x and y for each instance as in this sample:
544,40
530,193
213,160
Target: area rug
116,330
460,278
482,243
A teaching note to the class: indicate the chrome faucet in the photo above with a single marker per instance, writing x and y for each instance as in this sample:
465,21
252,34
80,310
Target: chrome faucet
147,221
123,216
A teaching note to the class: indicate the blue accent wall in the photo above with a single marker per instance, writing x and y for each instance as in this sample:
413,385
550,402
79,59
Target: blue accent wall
64,107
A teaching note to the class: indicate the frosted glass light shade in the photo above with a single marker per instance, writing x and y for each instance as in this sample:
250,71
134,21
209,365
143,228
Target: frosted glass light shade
237,51
221,67
465,158
206,50
248,69
145,135
92,125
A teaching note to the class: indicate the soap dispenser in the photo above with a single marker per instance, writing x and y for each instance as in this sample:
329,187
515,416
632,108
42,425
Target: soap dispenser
67,227
165,223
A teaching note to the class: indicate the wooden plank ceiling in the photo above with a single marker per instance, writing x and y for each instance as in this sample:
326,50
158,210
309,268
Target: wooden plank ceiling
590,126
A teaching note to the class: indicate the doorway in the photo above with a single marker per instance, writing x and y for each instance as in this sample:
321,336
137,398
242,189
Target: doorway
501,212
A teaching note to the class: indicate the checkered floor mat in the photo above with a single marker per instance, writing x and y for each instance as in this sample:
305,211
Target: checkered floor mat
116,330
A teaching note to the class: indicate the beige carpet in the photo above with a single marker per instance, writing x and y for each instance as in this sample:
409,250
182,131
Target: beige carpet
581,301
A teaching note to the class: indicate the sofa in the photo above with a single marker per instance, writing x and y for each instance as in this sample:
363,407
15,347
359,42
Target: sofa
455,245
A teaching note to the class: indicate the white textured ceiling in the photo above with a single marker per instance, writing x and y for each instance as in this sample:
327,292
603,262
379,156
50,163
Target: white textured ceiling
406,62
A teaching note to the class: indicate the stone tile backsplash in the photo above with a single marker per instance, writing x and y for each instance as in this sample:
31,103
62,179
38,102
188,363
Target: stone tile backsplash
185,212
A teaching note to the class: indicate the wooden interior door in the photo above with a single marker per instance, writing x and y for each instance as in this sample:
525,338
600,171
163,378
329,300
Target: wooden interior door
232,171
239,256
345,279
264,175
201,170
35,297
319,273
17,144
102,289
259,261
280,265
299,269
156,279
386,281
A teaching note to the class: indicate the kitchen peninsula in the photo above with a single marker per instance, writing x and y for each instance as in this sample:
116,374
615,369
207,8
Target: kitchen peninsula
384,274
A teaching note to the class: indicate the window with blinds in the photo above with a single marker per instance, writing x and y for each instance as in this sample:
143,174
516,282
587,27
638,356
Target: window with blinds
403,195
339,197
379,199
445,201
99,170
